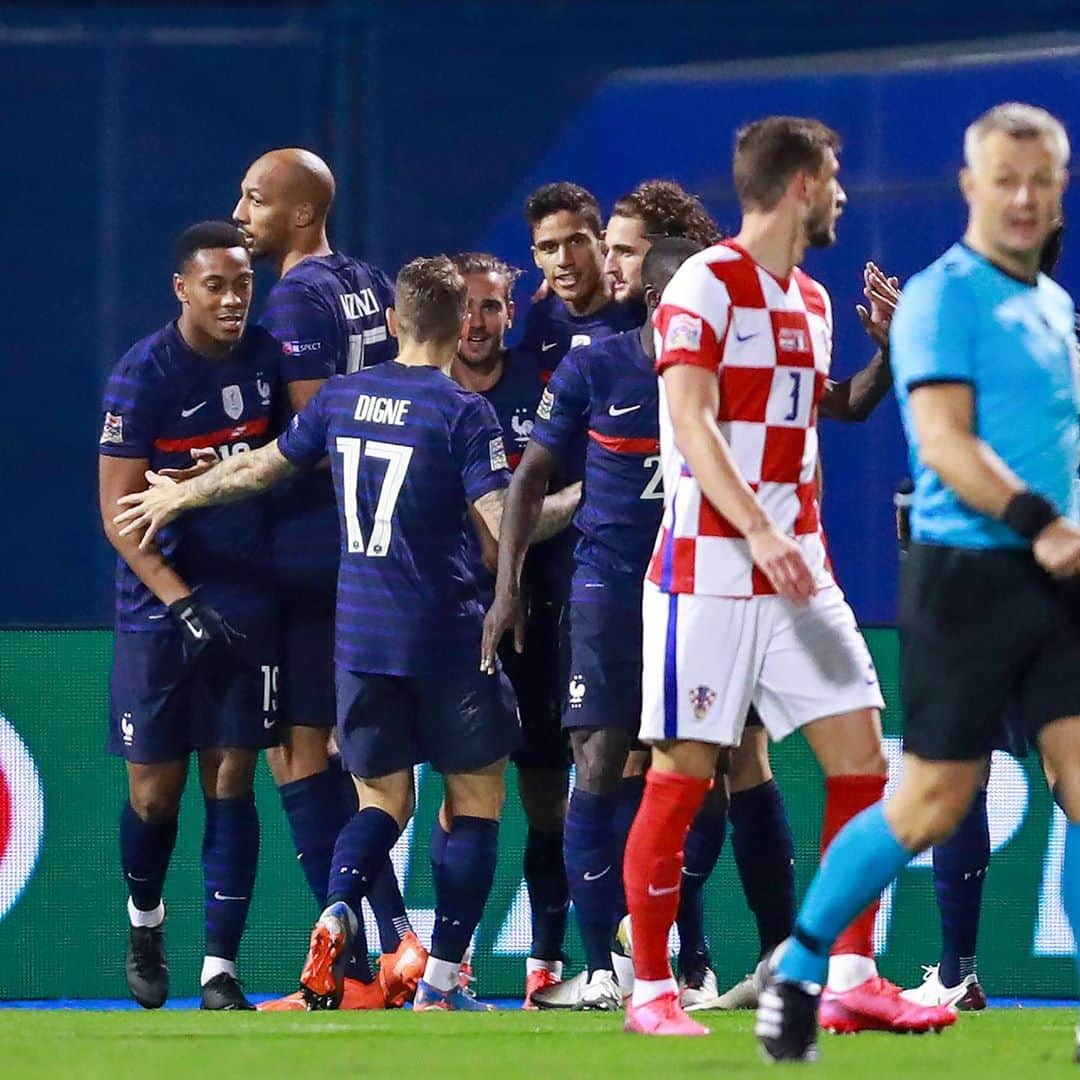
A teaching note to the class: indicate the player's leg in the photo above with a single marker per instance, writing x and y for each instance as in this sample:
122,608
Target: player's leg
148,727
230,857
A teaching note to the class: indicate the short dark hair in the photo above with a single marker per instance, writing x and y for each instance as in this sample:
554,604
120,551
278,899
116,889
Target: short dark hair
480,262
203,236
551,198
769,152
665,257
430,299
666,209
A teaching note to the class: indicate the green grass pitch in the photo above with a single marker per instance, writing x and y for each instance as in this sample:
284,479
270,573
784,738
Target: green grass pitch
1014,1043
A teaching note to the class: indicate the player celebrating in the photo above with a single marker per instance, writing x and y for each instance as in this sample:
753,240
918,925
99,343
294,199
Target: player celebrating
410,449
329,312
983,352
511,382
740,607
195,654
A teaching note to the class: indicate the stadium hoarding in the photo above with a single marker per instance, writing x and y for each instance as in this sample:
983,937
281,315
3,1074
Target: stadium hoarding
62,896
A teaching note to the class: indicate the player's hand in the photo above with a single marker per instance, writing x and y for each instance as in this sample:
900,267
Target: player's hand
1057,548
883,293
204,460
205,632
781,560
507,612
542,291
151,509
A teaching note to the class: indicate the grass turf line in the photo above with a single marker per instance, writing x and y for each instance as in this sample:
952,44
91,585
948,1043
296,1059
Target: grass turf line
157,1046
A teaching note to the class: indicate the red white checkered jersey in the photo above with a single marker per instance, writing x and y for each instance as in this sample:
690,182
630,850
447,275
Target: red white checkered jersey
770,344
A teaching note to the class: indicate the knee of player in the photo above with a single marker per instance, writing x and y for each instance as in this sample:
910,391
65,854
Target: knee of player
928,808
155,807
599,757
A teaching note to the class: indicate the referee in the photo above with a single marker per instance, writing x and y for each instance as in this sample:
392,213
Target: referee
983,354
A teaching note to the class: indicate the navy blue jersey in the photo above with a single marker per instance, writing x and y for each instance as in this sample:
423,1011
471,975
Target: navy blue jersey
409,450
551,331
329,313
163,400
609,391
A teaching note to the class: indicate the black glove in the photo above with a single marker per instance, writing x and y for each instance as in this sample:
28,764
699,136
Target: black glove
204,631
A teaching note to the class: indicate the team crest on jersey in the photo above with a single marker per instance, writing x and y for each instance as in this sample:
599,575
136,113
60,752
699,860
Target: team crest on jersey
576,691
263,388
497,454
701,700
683,332
522,424
547,400
232,401
580,339
112,433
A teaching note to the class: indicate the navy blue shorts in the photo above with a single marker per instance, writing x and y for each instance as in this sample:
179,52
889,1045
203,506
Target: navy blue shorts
161,707
306,697
459,720
537,678
604,685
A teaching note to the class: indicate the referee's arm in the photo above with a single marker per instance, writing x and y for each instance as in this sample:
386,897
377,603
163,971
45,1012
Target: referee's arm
942,413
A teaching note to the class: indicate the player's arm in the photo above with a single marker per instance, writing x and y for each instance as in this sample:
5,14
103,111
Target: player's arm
693,399
117,478
242,476
557,511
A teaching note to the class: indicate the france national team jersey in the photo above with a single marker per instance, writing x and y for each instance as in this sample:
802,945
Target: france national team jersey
329,313
964,320
551,331
609,391
409,449
162,401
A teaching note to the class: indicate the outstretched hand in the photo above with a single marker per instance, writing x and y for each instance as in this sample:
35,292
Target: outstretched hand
151,509
204,460
883,293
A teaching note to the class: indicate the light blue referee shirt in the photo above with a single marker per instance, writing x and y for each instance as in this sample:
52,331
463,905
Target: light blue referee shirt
962,319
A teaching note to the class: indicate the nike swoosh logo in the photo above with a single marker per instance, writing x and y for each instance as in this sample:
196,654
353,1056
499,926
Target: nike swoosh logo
654,891
614,410
596,877
594,584
268,724
746,337
185,413
197,632
545,345
690,873
221,896
132,877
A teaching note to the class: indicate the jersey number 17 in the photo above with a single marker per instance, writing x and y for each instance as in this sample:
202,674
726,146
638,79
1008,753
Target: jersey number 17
397,460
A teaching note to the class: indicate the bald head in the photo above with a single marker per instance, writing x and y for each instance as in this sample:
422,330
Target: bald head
285,197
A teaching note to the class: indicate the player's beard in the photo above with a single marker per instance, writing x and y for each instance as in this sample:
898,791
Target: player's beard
820,232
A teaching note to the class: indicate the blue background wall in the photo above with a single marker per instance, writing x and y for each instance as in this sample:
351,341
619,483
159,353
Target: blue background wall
123,125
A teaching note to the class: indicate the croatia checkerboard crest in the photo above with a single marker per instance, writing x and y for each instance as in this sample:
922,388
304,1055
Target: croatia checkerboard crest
701,700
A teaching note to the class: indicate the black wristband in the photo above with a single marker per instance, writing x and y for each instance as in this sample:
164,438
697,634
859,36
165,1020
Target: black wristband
1027,514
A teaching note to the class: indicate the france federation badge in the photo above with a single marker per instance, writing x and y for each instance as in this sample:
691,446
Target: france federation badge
232,401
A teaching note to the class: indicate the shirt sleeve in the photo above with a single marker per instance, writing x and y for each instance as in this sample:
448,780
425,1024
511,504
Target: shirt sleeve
932,333
562,416
303,442
306,328
692,319
478,449
387,347
131,410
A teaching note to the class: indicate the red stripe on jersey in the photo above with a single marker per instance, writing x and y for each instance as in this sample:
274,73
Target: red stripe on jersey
760,584
740,278
791,333
807,521
706,355
682,564
513,460
619,445
782,461
247,429
744,393
811,293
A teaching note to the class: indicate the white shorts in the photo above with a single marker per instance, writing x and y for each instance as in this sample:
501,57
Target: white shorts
706,659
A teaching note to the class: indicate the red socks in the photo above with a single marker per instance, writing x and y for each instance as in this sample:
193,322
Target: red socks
846,796
652,868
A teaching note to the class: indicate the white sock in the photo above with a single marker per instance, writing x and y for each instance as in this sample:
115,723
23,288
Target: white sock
154,917
849,970
554,966
215,965
646,990
442,974
623,966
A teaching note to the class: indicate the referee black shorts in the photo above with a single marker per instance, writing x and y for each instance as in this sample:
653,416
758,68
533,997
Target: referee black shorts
982,632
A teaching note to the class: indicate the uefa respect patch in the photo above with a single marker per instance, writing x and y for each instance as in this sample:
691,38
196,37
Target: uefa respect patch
112,432
683,333
497,454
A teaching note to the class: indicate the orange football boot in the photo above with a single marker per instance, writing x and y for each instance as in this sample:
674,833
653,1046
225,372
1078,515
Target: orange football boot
399,972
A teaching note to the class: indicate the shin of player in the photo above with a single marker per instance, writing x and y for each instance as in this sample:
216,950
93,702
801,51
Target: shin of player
986,615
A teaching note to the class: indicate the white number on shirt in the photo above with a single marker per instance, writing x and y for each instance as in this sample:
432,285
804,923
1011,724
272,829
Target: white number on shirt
397,460
654,489
355,360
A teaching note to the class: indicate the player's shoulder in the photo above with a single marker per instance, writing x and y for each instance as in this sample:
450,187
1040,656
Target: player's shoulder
607,351
1058,296
260,343
700,273
152,357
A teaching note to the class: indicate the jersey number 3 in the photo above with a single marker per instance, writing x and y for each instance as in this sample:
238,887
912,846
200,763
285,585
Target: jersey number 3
397,460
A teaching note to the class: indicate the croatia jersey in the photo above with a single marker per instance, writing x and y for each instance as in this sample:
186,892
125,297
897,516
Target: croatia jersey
551,331
769,343
607,392
329,313
163,400
409,450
